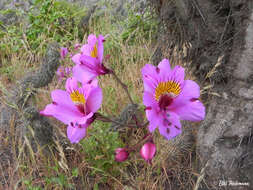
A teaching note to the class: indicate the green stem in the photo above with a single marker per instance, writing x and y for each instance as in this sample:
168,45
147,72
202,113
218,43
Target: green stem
124,86
134,147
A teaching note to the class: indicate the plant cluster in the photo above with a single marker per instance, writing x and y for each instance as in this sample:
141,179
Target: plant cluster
168,98
129,47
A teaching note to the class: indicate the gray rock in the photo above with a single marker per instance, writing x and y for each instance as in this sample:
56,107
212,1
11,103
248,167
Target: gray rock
19,109
19,119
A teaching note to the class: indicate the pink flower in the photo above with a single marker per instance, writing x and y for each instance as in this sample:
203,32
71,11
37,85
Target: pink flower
121,154
89,63
64,52
169,98
68,70
63,72
75,107
148,151
60,72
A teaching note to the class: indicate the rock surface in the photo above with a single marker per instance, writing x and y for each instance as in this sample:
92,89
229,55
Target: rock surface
225,138
219,37
19,118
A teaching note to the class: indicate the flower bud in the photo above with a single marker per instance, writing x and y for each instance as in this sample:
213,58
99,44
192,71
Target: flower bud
148,151
121,154
77,46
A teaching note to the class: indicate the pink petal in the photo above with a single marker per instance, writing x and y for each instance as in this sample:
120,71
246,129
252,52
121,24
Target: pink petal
75,134
81,73
92,40
149,85
94,82
76,58
86,89
88,61
62,112
171,126
71,85
165,68
94,100
62,107
154,118
150,78
83,120
190,90
153,112
152,126
177,74
149,100
100,48
193,111
61,97
86,49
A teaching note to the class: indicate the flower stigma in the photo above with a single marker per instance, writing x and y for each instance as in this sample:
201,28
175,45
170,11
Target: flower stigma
165,92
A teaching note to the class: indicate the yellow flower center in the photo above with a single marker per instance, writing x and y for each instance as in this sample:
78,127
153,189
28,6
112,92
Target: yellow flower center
77,98
94,52
171,87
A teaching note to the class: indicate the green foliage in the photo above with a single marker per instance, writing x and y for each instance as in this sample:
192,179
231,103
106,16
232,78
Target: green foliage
99,148
60,180
95,187
54,20
75,172
136,24
7,70
46,20
110,93
56,177
29,185
11,39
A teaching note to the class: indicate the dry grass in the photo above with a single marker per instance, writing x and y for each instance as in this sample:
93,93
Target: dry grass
174,166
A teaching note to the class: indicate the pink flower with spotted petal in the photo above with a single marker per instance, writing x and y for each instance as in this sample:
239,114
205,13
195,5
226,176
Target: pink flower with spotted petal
169,98
89,62
75,107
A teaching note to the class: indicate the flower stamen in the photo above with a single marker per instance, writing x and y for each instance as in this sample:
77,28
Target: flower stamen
94,52
77,97
171,88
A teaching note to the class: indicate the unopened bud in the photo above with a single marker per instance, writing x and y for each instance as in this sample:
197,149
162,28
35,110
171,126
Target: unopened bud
121,154
148,151
77,46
